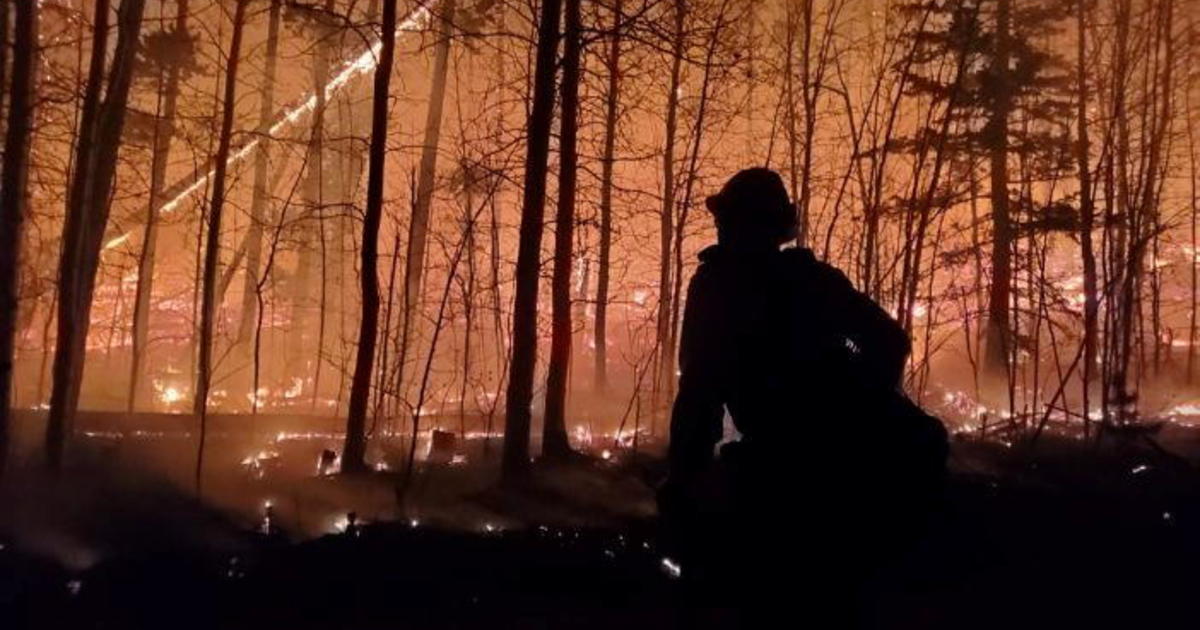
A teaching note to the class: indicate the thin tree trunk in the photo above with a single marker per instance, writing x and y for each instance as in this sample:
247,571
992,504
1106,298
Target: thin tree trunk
164,131
88,203
554,431
692,174
381,376
789,90
260,195
468,300
1087,212
515,460
321,78
611,110
810,94
212,245
666,374
4,48
14,177
1194,187
63,396
418,227
299,352
360,387
259,288
998,334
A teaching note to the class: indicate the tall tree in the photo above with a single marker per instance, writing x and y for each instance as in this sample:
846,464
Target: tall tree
14,176
169,54
260,195
999,66
515,459
554,431
999,345
212,244
418,227
5,16
666,375
1141,218
1087,211
611,110
101,121
354,451
302,356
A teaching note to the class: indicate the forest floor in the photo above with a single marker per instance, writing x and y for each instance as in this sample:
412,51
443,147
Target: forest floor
1069,535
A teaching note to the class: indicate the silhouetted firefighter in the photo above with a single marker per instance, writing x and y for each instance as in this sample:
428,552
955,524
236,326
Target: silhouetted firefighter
835,465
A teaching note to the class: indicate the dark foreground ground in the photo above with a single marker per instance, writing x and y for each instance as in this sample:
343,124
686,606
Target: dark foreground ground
1070,537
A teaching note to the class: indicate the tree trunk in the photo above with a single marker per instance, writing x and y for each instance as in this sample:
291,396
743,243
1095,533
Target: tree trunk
299,352
1194,208
1087,213
212,245
554,431
666,375
13,197
789,91
469,287
606,187
998,335
260,196
810,94
360,388
1144,211
4,49
88,202
164,130
515,462
691,176
418,227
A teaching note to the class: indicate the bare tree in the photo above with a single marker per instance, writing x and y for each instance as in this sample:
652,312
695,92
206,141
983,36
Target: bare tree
418,227
88,202
170,72
212,245
1087,212
259,200
554,432
354,451
14,177
515,462
666,374
611,112
996,357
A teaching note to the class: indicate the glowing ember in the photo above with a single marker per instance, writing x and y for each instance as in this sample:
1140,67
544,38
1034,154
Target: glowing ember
346,523
294,390
170,395
257,464
671,568
1186,409
268,521
581,436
